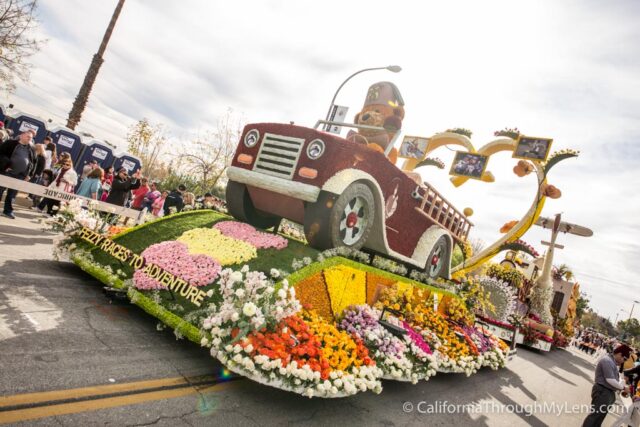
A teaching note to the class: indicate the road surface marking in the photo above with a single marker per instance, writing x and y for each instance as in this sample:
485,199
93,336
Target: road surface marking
25,302
30,406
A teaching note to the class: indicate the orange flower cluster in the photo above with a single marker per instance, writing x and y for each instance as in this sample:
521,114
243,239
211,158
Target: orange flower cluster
472,346
114,229
292,341
312,291
338,347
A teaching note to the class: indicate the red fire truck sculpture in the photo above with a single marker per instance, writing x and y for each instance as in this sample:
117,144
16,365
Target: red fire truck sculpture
344,193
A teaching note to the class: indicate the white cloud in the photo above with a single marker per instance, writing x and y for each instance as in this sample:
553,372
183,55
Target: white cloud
568,70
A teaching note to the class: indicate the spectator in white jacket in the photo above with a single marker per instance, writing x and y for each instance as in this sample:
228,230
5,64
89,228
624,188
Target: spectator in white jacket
65,181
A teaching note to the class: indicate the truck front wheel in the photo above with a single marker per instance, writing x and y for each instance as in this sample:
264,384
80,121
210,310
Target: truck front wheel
241,208
344,220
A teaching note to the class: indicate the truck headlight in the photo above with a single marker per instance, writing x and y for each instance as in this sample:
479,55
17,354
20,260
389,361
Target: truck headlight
315,149
251,138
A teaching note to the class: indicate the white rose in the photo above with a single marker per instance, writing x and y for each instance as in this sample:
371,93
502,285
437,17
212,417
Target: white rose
236,276
234,317
274,273
249,309
282,293
204,341
240,293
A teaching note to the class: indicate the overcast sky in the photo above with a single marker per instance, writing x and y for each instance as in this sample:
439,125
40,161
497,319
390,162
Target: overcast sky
562,69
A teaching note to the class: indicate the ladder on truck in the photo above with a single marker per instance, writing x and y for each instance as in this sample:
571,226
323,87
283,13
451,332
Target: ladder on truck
439,210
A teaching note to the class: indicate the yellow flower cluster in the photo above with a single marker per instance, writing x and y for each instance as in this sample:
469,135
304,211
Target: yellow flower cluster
346,286
452,346
338,347
421,315
457,311
210,242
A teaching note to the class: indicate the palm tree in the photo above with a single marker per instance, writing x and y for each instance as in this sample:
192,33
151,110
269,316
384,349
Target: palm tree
89,79
563,271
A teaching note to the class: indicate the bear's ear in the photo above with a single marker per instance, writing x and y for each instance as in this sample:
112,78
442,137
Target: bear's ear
392,123
356,119
399,112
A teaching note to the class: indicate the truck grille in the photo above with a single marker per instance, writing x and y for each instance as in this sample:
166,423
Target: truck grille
278,155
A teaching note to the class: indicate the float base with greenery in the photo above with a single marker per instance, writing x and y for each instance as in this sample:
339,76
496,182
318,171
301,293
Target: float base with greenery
271,308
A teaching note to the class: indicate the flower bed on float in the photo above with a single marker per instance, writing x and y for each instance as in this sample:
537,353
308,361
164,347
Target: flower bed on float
319,331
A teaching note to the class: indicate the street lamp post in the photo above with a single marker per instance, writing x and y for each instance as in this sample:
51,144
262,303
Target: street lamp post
633,305
392,68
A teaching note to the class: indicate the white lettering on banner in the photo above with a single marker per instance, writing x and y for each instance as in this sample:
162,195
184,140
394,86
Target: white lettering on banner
66,141
28,126
99,153
39,190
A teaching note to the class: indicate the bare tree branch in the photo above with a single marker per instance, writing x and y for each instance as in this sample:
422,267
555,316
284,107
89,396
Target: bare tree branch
17,44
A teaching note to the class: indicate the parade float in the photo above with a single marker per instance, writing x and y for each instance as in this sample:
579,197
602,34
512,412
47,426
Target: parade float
363,298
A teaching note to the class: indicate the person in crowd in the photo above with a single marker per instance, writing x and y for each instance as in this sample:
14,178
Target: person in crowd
4,135
18,160
633,376
208,200
65,180
158,204
151,196
41,162
45,180
175,200
631,361
86,170
40,167
140,194
61,160
189,199
122,185
607,382
50,152
107,181
91,186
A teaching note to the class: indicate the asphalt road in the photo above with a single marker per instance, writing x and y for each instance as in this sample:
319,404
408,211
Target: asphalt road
69,357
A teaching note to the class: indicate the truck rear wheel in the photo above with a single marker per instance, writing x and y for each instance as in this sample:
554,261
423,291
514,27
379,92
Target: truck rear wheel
241,208
438,259
344,220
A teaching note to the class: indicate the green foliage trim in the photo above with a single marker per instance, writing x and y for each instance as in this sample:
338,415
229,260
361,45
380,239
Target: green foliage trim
555,159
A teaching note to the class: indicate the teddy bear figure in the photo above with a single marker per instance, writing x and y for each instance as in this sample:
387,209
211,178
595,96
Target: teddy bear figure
383,108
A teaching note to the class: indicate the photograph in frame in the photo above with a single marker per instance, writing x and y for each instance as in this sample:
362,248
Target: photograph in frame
469,165
532,148
413,147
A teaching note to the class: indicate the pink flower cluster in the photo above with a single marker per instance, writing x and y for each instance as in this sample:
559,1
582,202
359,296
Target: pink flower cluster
416,338
197,270
248,234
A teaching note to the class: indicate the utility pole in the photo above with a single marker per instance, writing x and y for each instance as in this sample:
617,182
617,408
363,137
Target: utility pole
89,79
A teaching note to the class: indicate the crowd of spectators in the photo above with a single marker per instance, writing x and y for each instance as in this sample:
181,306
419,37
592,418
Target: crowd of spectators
39,163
